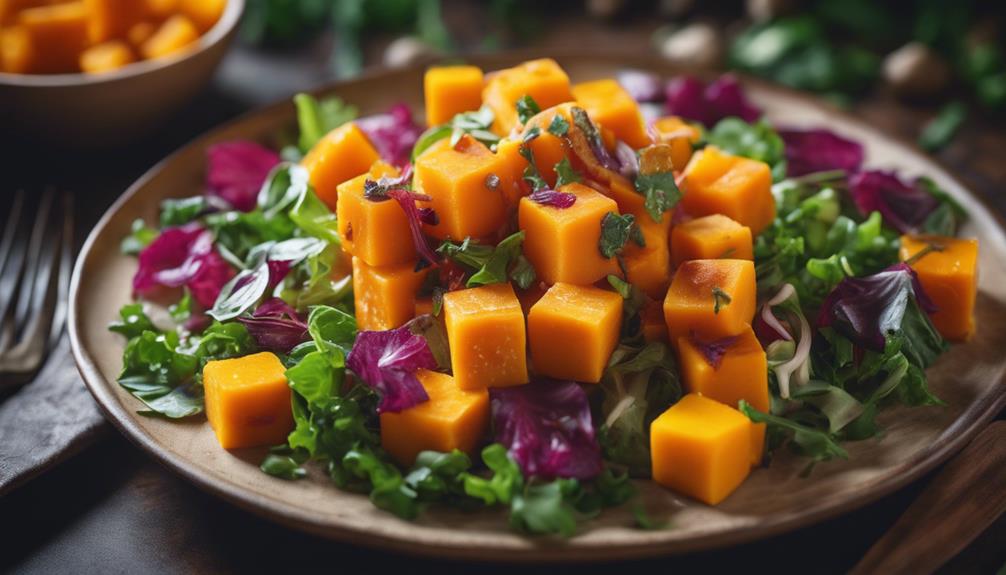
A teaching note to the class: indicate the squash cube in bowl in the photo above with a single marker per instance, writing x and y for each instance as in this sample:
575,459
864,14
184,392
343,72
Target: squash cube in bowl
342,154
701,448
106,57
709,238
452,419
385,296
710,299
485,331
248,400
608,104
376,231
57,35
175,34
110,19
948,272
741,188
451,90
573,330
562,243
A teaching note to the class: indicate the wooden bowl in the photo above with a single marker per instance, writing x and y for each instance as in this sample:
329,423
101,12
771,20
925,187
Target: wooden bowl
97,110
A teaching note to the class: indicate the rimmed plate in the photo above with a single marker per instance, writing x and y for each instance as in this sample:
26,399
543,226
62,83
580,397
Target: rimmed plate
970,378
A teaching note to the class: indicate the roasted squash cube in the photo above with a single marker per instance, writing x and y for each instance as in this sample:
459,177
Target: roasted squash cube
452,419
608,104
342,154
203,13
175,34
949,276
709,238
461,180
9,9
741,188
680,136
110,19
160,9
701,448
649,267
451,90
16,50
710,299
542,79
485,331
140,32
385,297
562,243
58,34
573,330
248,400
106,57
377,232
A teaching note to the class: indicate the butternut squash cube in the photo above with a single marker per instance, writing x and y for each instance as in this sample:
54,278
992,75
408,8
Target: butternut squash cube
649,267
385,297
377,232
741,188
109,19
58,34
511,171
16,50
562,243
160,9
573,330
451,90
485,331
342,154
542,79
608,104
949,276
652,322
709,238
140,32
9,9
175,34
701,448
680,136
452,419
203,13
710,299
460,180
742,373
248,400
106,57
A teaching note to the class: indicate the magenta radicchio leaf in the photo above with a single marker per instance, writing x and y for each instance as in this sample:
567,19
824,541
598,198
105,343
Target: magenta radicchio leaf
642,86
546,197
236,171
713,351
276,326
903,207
627,157
183,256
393,133
407,200
546,427
867,309
387,361
278,270
818,150
691,98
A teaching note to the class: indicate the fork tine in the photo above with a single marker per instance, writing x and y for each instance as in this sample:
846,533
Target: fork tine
65,271
8,232
12,253
34,263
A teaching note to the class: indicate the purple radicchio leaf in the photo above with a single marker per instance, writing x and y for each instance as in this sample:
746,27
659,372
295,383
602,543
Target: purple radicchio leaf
627,157
553,198
903,207
393,133
726,97
690,98
387,361
183,256
713,351
236,170
276,326
407,200
867,309
546,427
642,86
278,270
819,150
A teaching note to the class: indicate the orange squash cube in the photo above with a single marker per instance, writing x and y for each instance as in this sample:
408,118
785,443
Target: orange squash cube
709,238
701,448
9,9
248,400
542,79
106,57
203,13
680,136
485,331
710,299
58,34
140,32
453,418
573,330
385,297
342,154
160,9
377,232
741,188
175,34
562,243
652,322
511,171
451,90
949,276
608,104
16,50
459,180
109,19
649,267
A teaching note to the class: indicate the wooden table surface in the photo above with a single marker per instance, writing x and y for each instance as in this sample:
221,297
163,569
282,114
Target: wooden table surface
111,508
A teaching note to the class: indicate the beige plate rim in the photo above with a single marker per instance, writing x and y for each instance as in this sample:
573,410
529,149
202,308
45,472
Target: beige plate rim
953,438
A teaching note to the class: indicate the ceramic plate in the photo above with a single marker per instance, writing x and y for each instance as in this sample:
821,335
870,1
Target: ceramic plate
970,378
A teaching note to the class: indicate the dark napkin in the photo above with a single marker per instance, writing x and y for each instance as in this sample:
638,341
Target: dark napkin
46,420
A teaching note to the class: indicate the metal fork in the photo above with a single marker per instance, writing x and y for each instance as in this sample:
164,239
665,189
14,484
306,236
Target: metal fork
36,259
